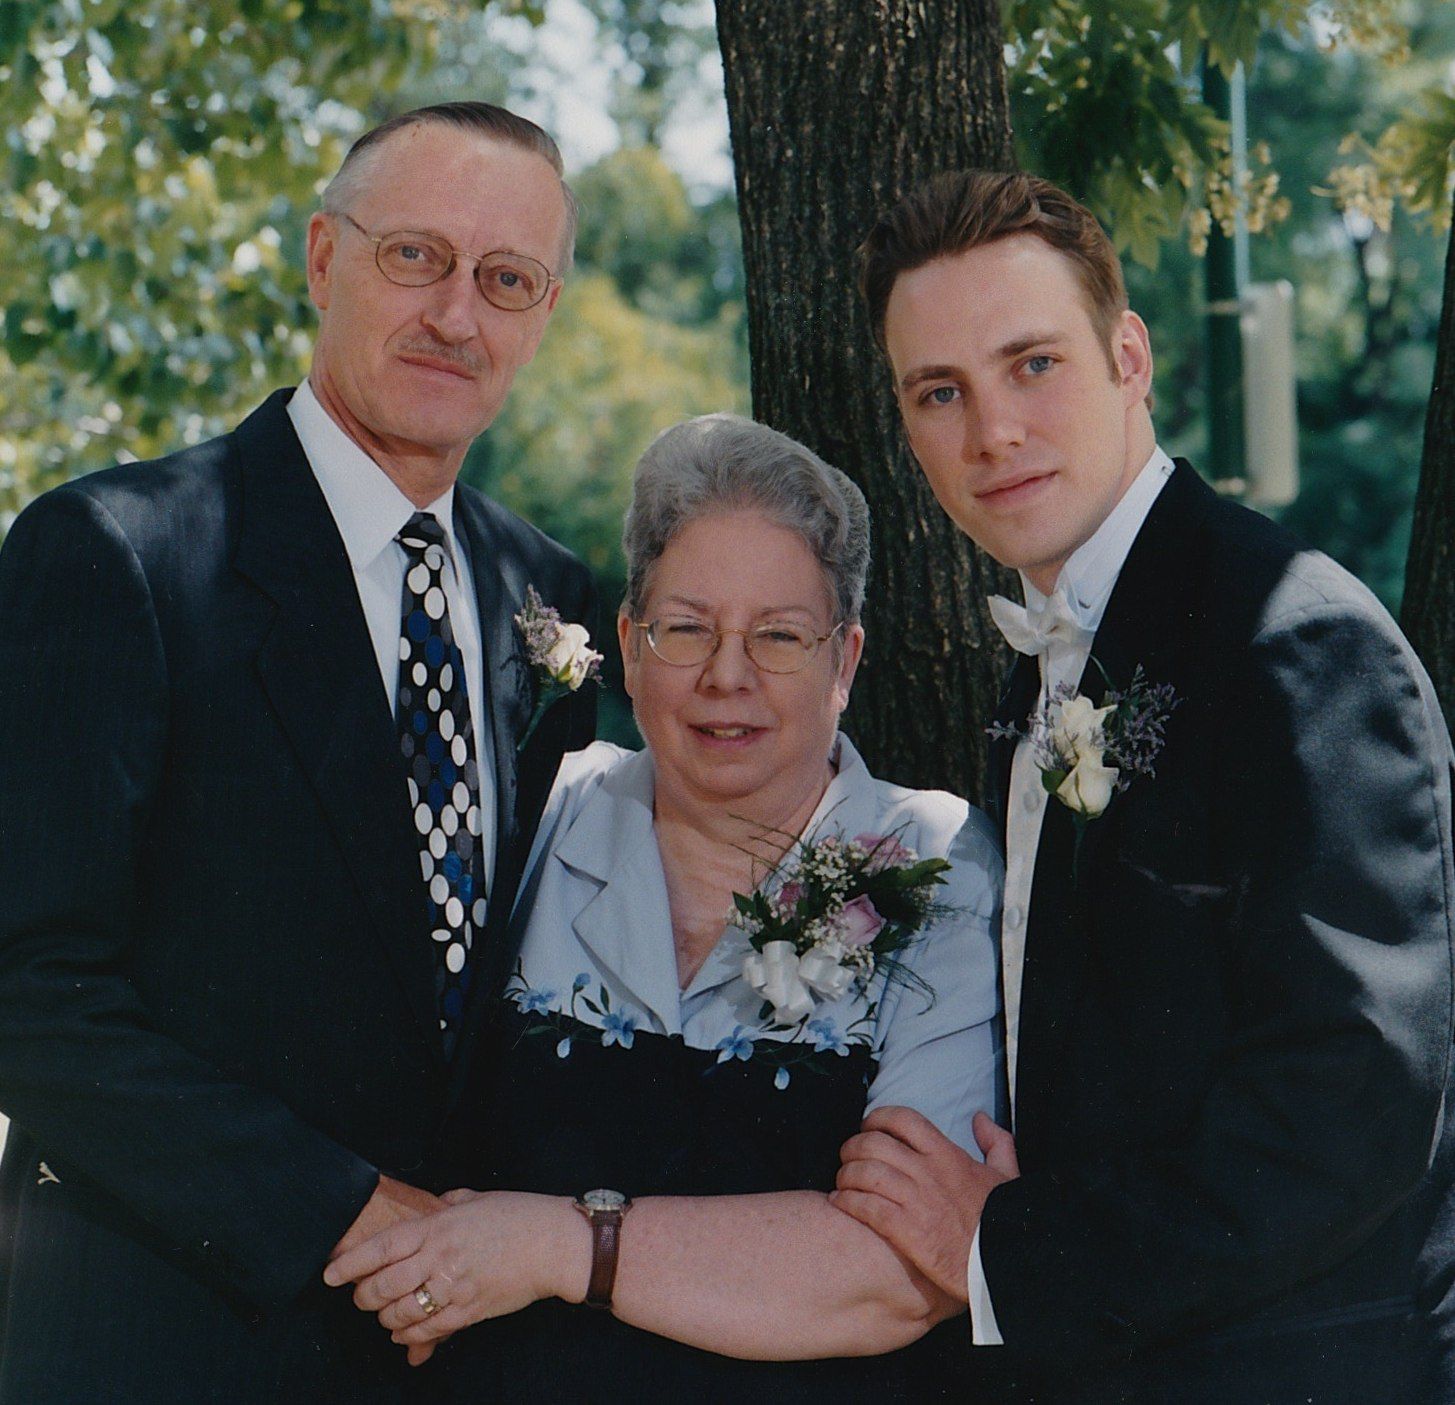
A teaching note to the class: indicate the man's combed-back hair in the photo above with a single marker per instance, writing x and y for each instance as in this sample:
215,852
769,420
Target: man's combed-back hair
962,210
484,119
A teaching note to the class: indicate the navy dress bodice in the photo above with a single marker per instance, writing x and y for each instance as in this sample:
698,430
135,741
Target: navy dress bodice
663,1118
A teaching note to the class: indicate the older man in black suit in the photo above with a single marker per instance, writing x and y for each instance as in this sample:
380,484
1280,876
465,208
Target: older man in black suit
263,805
1227,949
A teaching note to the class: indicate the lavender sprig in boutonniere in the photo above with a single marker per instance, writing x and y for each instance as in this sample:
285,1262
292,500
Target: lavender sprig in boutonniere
560,653
1087,754
844,910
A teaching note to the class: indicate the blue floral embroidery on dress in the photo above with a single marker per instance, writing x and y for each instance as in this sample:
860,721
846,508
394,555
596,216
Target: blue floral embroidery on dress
737,1045
826,1037
809,1040
533,1002
618,1029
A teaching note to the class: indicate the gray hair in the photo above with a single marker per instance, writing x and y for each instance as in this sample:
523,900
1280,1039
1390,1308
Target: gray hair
484,119
720,463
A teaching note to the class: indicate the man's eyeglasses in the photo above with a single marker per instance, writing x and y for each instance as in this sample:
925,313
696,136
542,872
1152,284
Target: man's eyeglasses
775,648
512,282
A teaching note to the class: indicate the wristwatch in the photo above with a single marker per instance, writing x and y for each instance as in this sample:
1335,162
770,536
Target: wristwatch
604,1210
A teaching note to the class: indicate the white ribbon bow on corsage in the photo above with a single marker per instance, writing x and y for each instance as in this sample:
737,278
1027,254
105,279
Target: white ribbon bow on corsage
789,981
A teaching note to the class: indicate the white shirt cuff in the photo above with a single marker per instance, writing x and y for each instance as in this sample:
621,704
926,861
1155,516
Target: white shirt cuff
984,1330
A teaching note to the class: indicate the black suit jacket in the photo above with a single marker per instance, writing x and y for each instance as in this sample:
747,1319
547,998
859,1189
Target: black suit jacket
1235,1037
216,1012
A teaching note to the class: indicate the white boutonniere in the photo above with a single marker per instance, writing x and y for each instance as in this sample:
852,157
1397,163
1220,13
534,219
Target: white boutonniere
560,653
1070,742
1088,754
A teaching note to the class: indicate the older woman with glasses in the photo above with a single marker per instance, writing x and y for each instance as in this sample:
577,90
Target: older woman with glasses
671,1088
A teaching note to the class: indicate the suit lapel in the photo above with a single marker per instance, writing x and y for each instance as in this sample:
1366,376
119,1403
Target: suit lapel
500,584
499,594
1146,623
320,672
1017,699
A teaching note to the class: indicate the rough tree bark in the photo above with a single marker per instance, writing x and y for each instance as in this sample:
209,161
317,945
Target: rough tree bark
1428,612
837,107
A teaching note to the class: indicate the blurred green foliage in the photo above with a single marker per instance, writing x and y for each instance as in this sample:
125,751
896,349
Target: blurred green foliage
1106,103
1367,298
162,158
648,332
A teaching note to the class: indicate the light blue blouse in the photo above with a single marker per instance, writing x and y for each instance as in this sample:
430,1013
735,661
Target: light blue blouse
598,921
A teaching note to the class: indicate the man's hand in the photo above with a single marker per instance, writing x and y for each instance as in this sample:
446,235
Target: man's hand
392,1202
919,1191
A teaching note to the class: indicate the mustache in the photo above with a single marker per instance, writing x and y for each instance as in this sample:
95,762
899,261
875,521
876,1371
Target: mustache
443,351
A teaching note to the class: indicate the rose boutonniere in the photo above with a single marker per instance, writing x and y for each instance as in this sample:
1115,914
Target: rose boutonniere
1088,754
843,910
560,653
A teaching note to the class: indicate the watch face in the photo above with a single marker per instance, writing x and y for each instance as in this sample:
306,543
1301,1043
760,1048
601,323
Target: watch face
603,1200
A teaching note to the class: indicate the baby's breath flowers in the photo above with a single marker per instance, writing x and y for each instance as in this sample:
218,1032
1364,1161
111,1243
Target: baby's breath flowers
844,910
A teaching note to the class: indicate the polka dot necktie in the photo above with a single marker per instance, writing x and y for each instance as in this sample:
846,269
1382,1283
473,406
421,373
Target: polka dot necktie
437,739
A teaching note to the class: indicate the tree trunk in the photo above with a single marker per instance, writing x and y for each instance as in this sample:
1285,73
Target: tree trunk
1428,612
837,107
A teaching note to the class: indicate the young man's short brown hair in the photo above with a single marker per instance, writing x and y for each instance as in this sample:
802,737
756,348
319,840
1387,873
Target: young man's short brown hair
964,209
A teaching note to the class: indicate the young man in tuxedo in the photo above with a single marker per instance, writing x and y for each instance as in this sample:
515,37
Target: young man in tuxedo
263,809
1228,990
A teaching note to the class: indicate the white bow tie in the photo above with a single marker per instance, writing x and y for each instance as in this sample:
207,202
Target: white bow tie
1054,625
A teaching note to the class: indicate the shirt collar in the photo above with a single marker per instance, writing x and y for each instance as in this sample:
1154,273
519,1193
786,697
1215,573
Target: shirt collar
1091,570
617,818
365,502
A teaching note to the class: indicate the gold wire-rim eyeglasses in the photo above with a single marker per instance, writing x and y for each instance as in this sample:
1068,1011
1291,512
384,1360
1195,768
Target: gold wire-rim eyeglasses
389,259
754,640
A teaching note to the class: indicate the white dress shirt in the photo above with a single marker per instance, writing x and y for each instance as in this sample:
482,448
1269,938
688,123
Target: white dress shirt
1086,580
598,918
369,510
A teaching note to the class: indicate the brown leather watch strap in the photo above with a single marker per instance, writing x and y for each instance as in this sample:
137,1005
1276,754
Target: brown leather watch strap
604,1211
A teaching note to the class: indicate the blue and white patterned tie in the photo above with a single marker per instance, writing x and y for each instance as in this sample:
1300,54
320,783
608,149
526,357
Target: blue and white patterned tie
437,740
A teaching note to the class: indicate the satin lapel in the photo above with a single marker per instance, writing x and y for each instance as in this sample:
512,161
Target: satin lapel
1146,623
321,674
1018,698
1053,967
1148,619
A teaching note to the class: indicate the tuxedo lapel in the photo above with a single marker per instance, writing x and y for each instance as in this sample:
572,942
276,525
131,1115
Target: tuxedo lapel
321,674
1146,623
1017,699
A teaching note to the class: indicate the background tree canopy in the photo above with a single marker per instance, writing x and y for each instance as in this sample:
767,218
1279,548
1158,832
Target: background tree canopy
163,159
